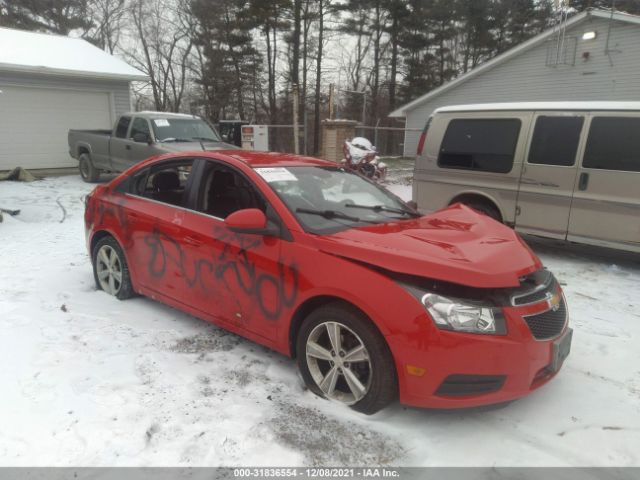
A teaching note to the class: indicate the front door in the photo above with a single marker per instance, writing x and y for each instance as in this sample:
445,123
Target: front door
548,174
238,278
139,150
606,202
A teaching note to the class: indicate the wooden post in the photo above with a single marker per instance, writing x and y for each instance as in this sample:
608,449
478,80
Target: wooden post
296,130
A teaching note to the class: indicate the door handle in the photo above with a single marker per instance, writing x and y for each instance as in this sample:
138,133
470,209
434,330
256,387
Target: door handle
128,147
194,241
583,183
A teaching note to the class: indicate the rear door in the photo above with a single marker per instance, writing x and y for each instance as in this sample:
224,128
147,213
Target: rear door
119,145
606,202
155,208
549,173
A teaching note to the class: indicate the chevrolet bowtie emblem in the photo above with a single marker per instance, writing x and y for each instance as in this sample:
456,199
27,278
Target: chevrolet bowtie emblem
553,299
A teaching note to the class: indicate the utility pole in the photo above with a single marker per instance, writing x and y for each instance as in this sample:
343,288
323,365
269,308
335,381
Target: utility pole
364,102
296,131
331,101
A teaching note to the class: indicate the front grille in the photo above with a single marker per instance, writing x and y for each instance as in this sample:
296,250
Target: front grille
549,324
538,294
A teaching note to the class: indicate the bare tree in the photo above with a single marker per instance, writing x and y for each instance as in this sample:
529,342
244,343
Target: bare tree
108,18
163,49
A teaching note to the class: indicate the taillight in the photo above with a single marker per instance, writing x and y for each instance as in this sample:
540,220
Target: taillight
423,137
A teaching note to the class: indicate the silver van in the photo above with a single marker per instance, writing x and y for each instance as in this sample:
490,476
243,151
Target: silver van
566,170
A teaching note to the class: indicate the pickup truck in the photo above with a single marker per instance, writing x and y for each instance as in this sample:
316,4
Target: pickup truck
137,136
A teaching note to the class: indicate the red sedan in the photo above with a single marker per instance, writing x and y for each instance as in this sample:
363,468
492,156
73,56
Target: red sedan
374,300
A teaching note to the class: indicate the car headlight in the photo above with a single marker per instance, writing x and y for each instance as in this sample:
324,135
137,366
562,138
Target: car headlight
461,315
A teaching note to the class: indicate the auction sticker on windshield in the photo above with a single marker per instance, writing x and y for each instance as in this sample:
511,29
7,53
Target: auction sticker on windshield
276,174
161,122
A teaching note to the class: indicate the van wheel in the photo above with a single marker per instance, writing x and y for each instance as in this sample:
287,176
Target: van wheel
487,209
343,357
88,172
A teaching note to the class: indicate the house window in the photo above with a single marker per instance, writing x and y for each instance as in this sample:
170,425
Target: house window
486,145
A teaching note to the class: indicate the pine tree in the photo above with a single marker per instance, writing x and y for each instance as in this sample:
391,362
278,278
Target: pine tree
52,16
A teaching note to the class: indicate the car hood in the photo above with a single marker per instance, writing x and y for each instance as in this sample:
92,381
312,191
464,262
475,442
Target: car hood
457,245
171,147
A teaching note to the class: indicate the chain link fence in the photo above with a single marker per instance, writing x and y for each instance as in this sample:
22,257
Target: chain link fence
389,141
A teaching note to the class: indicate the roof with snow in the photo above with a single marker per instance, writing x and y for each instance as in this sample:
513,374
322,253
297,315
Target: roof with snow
22,51
513,52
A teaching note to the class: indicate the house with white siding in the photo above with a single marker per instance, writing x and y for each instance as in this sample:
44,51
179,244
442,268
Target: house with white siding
50,84
594,55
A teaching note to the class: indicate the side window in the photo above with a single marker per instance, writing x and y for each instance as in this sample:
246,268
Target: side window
140,126
613,144
165,183
123,126
486,145
225,190
555,141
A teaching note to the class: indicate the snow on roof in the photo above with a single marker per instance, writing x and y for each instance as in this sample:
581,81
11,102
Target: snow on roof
22,51
513,52
538,106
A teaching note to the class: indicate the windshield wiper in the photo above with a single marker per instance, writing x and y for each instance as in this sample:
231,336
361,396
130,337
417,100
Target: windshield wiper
382,208
174,139
206,139
328,214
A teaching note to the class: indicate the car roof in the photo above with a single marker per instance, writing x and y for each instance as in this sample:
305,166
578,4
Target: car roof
270,159
152,115
250,158
537,106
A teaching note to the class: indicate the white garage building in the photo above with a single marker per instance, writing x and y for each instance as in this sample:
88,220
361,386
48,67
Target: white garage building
49,84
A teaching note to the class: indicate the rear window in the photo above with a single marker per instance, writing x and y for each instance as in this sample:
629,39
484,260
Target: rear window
123,126
555,140
486,145
613,144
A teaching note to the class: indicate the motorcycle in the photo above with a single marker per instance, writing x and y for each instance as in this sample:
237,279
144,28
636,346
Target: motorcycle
361,156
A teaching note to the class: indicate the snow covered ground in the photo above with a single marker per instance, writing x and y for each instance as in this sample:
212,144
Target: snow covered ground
89,380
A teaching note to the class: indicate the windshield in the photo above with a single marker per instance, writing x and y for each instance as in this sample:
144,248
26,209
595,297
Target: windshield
330,199
183,130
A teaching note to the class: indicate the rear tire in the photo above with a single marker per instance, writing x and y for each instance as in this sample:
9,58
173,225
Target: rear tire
487,209
88,172
361,373
110,269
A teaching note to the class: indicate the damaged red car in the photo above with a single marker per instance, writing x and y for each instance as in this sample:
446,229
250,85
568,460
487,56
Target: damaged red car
375,301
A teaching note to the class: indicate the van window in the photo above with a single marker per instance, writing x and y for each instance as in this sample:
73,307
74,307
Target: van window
555,140
613,144
486,145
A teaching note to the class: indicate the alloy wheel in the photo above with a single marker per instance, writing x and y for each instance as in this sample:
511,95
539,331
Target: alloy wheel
109,270
339,362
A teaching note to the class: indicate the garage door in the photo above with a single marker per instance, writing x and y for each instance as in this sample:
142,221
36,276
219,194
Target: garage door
34,123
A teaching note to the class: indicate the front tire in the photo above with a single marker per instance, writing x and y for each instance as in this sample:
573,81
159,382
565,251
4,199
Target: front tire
343,357
88,172
110,269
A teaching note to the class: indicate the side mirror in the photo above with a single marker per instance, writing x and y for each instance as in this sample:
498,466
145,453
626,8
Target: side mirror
248,220
141,138
413,204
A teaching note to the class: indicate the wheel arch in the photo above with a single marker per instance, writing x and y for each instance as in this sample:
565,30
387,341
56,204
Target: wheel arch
83,148
312,304
102,233
478,196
